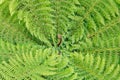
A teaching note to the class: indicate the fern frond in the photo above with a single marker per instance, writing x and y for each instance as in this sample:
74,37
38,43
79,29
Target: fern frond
8,50
49,17
38,66
36,16
22,63
105,39
94,67
91,16
63,10
13,30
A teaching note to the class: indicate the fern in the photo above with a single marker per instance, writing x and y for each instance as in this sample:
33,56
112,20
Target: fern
91,67
35,65
59,40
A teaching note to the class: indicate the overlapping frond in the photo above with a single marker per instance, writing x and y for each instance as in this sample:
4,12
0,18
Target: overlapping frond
45,19
38,66
37,17
90,67
101,31
93,16
13,30
8,50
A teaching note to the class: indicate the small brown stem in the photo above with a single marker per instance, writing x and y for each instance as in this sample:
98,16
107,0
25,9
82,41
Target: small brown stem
59,39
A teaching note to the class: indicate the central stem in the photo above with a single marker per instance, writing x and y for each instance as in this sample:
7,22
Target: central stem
59,36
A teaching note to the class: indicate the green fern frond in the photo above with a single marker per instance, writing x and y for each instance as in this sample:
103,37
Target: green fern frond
22,63
37,24
90,67
58,17
8,50
92,15
13,30
45,61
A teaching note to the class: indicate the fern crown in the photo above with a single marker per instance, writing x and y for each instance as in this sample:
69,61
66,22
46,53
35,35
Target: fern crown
59,39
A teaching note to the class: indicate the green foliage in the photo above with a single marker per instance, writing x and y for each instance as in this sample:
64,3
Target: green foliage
31,32
95,67
36,65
